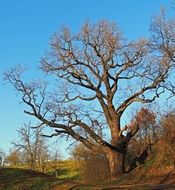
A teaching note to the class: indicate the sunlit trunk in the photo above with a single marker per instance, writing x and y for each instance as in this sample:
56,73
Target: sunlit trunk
116,163
116,155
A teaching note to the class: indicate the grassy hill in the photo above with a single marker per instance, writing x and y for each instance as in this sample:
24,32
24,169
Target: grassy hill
22,179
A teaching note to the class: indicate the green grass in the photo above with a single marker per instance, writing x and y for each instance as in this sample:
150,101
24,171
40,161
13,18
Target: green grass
21,179
68,170
24,179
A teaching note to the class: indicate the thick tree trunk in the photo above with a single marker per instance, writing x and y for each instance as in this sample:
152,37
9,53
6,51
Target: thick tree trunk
116,163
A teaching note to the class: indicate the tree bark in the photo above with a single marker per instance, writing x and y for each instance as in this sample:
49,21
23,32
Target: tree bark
116,163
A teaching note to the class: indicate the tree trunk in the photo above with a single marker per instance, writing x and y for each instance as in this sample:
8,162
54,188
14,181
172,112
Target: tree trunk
116,163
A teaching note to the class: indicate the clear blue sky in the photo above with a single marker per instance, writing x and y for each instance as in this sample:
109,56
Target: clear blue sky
25,29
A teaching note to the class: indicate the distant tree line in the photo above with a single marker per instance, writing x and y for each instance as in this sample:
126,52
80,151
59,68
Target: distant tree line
30,150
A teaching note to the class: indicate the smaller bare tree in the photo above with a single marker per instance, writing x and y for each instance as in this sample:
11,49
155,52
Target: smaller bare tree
32,145
2,157
13,158
42,156
54,162
147,132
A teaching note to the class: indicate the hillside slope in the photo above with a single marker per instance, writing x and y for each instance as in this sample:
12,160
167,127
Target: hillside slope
22,179
156,173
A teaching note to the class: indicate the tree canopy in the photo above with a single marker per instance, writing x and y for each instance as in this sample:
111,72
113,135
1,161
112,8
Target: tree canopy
102,74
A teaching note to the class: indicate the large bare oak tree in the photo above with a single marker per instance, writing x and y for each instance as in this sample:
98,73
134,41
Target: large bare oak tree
102,75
